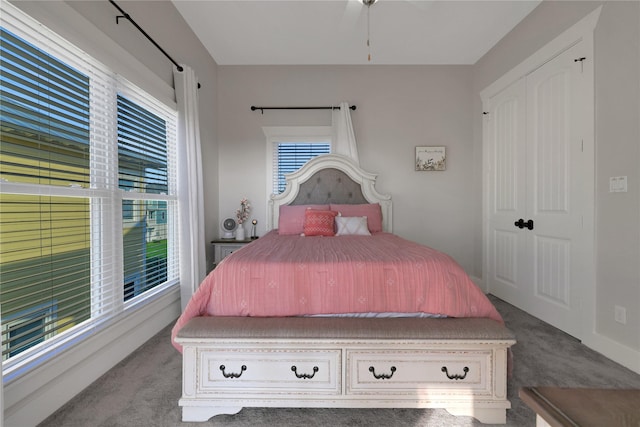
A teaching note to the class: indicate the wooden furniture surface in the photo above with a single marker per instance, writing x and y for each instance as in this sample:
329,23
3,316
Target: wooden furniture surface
584,407
234,362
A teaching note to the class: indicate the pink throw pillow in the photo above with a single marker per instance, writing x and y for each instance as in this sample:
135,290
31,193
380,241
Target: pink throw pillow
291,217
319,223
372,211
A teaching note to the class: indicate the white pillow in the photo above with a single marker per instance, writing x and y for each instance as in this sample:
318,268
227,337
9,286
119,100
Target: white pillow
352,225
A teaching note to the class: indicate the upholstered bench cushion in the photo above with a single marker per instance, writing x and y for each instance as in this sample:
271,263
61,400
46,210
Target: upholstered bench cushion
343,328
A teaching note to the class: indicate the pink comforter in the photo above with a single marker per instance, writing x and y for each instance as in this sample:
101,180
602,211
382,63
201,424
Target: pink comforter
293,275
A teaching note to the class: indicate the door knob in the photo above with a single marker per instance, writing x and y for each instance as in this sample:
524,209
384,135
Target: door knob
522,224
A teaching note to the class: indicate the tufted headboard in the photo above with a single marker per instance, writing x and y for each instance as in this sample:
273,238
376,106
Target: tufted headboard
330,178
329,186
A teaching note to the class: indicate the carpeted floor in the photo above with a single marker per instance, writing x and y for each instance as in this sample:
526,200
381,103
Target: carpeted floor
143,390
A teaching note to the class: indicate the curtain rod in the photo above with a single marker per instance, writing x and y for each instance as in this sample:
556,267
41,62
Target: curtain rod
254,108
126,16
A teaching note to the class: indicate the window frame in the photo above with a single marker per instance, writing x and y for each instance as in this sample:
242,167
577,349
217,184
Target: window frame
134,94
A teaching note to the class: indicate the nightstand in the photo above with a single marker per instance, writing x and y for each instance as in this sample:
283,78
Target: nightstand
224,247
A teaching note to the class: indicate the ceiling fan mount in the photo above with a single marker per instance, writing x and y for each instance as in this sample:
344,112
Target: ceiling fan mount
368,3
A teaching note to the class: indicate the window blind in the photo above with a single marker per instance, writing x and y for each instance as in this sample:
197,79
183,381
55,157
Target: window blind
45,259
142,149
45,116
290,156
45,264
143,167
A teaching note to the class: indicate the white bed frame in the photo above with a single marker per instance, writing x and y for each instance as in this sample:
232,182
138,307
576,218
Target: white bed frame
235,362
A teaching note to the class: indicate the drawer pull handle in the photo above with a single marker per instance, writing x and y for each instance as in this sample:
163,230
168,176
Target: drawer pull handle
231,374
455,376
304,376
382,376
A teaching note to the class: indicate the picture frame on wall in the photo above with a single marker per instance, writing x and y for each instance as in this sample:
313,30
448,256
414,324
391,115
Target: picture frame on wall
431,158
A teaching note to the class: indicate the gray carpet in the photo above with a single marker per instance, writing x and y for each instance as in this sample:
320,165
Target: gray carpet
143,390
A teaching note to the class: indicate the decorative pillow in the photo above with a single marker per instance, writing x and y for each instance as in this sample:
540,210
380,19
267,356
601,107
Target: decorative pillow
352,225
291,217
319,223
372,211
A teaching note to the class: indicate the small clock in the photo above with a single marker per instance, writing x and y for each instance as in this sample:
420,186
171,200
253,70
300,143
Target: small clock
228,226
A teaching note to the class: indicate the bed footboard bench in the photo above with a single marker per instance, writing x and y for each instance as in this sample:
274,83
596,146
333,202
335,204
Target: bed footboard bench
326,362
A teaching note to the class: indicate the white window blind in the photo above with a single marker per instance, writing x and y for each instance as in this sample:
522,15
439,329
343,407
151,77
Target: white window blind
45,117
45,257
146,167
290,156
142,149
45,267
65,121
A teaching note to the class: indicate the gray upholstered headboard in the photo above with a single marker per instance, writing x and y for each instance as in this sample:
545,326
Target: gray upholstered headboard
330,178
329,186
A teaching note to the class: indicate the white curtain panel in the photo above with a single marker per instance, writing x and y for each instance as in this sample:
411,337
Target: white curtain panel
190,186
344,139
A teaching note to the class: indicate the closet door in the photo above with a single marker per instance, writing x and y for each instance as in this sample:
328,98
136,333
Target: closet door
505,143
535,173
554,182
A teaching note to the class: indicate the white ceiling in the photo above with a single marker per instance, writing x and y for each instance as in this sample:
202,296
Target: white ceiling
312,32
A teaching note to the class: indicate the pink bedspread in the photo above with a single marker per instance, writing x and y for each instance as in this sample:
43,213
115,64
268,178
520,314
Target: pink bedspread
292,275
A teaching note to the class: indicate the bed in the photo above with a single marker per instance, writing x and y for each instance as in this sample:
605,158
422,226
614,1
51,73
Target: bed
361,319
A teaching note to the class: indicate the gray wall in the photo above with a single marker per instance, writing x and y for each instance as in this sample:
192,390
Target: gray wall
618,153
617,126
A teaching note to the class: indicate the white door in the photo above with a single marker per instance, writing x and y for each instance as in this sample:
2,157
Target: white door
506,132
537,171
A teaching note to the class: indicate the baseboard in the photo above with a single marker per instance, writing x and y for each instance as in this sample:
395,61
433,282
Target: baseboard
619,353
32,398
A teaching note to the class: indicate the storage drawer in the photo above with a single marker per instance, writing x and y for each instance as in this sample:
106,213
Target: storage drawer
402,371
228,250
269,371
222,249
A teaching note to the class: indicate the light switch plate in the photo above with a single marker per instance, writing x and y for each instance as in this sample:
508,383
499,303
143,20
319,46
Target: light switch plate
618,184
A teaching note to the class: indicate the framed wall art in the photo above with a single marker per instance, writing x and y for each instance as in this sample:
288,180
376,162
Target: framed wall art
431,158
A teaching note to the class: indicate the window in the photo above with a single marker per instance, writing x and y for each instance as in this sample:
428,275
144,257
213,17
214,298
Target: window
143,167
45,117
81,149
45,252
290,156
290,148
